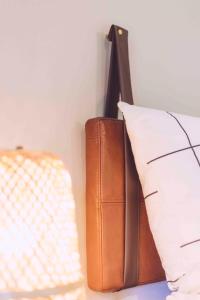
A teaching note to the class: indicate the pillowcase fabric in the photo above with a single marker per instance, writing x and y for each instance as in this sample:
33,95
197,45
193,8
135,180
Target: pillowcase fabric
166,148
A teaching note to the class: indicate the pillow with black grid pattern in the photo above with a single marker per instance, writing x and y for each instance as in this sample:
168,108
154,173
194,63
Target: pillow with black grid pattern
166,148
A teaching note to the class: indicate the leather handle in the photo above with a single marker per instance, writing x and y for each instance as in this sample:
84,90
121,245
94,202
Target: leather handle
119,88
119,80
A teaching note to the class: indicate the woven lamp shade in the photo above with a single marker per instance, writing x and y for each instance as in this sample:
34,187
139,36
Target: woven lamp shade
39,255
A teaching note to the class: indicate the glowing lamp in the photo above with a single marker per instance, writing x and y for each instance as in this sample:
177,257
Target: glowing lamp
39,255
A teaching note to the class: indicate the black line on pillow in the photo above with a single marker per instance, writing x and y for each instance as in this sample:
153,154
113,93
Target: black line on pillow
174,281
186,136
173,152
151,194
187,244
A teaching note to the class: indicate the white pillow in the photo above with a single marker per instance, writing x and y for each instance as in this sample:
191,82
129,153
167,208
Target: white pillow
166,148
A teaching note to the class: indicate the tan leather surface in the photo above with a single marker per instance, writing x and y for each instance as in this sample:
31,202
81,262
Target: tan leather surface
105,213
105,204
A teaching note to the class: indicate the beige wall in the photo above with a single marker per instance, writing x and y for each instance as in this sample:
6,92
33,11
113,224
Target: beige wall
53,58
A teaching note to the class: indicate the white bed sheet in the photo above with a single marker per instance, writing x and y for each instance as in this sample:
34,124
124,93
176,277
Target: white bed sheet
154,291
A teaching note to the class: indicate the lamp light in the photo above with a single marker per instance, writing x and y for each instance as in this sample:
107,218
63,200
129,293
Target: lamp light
39,255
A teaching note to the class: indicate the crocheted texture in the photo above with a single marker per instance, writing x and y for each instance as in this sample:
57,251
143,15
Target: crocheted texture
38,237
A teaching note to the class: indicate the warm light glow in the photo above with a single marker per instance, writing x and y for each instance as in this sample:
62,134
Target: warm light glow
38,240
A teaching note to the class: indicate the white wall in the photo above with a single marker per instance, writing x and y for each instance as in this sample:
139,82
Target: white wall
53,58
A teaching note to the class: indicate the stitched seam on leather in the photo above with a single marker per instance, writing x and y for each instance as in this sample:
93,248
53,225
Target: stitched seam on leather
100,210
93,138
125,211
99,119
113,202
107,204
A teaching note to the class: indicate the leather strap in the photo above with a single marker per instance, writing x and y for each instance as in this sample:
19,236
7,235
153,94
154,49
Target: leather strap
131,263
119,88
119,80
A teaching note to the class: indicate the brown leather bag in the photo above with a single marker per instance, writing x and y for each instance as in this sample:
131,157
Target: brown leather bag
120,248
